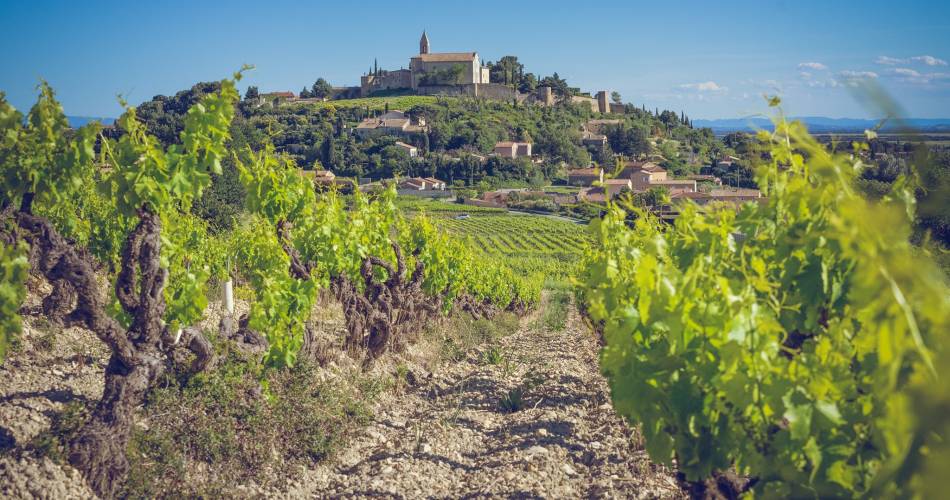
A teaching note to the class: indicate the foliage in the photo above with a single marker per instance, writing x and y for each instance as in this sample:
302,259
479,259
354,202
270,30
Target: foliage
13,273
785,339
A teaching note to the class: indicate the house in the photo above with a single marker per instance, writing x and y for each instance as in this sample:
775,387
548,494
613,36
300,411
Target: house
676,185
735,196
325,177
408,148
391,123
705,178
608,190
616,186
584,176
632,167
508,149
595,140
435,183
645,175
413,183
421,184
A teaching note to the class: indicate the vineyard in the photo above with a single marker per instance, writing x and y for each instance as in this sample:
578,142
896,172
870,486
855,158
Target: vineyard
795,347
800,343
528,243
78,206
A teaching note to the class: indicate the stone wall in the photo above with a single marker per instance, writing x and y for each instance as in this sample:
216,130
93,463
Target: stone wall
495,91
386,80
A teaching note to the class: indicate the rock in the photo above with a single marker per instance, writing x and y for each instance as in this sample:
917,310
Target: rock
567,469
542,432
425,448
537,450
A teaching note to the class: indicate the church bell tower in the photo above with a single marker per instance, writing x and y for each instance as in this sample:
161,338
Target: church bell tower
424,43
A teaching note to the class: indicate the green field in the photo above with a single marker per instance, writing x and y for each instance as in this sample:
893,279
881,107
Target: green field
530,243
432,207
395,102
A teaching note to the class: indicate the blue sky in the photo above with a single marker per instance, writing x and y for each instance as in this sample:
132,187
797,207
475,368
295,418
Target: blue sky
711,59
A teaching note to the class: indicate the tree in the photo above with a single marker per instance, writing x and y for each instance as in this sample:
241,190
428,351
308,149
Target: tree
251,93
305,93
615,97
527,83
321,89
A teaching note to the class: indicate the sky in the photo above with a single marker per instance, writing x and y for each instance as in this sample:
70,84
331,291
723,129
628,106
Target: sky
709,59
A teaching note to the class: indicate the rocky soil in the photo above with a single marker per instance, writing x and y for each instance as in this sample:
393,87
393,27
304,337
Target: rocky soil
526,415
454,437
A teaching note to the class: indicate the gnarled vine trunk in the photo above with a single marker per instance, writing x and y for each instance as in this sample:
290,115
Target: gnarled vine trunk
378,317
140,354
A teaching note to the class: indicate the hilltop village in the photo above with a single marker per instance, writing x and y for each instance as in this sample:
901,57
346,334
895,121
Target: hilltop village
452,125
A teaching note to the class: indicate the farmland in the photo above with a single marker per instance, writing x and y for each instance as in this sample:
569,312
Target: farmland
529,243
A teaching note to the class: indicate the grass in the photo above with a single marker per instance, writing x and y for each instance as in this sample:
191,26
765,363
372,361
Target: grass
515,399
377,103
461,334
493,356
556,308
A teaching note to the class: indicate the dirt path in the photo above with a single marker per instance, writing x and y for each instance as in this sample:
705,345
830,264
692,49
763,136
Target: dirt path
451,437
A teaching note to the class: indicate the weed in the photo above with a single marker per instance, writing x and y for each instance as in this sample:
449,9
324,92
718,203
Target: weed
556,307
493,356
515,399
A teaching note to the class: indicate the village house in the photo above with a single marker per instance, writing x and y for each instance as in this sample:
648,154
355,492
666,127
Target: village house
324,177
408,148
736,196
584,176
705,178
676,185
414,184
643,175
607,191
594,140
508,149
391,123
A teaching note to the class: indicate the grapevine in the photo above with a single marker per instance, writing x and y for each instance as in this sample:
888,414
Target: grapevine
784,339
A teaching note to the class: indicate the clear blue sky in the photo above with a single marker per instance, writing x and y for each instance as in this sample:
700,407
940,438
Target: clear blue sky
711,59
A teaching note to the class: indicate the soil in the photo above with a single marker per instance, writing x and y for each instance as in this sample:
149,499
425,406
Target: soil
455,429
451,437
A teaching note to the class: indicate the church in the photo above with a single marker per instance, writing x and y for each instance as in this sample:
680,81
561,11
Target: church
428,69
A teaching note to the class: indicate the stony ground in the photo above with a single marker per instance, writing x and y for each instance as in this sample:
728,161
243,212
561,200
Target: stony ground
525,415
453,437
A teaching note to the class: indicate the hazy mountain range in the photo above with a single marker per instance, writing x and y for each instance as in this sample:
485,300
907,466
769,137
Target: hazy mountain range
820,124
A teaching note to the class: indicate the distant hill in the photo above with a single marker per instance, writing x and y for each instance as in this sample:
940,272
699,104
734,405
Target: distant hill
821,124
79,121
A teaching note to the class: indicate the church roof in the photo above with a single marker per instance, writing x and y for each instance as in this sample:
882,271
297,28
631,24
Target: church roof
448,57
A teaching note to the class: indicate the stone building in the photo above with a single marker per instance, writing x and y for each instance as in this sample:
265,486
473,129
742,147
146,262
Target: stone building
429,69
508,149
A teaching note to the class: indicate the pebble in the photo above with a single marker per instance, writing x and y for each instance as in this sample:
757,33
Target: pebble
542,432
537,450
